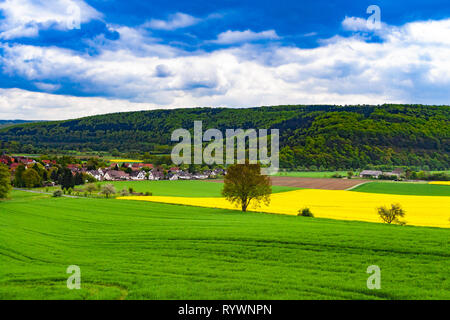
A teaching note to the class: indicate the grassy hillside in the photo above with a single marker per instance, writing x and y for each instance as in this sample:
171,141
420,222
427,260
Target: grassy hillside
136,250
321,136
407,188
181,188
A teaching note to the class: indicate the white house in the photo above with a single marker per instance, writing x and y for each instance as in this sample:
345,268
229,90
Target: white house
370,174
97,174
138,175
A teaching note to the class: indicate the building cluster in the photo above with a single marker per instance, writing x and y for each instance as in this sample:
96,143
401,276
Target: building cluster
377,174
142,171
116,172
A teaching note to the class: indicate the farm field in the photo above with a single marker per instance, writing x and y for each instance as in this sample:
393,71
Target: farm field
144,250
314,183
431,211
445,183
310,174
184,188
405,188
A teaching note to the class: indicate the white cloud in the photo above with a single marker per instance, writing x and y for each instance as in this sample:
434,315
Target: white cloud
174,21
22,104
230,37
24,18
357,24
408,67
49,87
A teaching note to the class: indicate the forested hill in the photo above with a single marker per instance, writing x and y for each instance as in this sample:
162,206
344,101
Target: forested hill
327,136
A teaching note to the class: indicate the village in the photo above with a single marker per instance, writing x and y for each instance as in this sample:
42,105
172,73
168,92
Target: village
114,171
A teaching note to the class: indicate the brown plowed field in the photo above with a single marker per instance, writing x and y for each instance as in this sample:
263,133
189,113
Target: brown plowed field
314,183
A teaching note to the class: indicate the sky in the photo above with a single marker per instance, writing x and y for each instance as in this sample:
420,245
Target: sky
63,59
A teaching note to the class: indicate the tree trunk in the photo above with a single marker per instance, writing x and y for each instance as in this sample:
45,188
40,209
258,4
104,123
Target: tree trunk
245,204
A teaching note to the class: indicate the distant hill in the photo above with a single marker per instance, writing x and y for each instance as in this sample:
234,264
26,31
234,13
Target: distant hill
320,136
8,123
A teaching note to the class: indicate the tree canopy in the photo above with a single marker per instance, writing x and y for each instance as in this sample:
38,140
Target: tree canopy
244,184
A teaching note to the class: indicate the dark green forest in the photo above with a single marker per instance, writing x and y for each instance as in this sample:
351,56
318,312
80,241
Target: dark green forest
310,136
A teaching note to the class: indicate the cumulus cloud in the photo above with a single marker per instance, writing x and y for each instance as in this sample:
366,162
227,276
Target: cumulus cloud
355,24
409,66
230,37
174,21
24,18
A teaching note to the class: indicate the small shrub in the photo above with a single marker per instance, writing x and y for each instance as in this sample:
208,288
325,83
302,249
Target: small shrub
90,188
130,190
124,192
108,189
69,191
305,212
57,193
148,193
390,215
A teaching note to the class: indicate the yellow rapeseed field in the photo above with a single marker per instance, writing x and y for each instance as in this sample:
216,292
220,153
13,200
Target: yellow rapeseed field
432,211
445,183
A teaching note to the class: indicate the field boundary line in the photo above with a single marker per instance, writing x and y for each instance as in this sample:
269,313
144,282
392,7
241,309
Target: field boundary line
351,188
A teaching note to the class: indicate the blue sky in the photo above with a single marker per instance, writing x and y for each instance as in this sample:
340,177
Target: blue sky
68,58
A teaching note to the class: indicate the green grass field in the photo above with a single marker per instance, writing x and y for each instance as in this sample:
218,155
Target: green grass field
141,250
406,188
180,188
311,174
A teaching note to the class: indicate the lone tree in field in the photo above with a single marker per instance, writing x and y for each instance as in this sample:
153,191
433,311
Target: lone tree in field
390,215
108,189
244,183
5,181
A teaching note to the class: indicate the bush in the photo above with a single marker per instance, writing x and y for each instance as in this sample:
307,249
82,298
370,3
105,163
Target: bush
130,190
57,193
337,176
108,189
124,192
148,193
305,212
390,215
